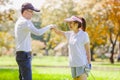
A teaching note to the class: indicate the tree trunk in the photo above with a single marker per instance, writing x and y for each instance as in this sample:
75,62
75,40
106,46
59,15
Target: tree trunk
112,54
46,52
113,46
92,54
47,46
119,53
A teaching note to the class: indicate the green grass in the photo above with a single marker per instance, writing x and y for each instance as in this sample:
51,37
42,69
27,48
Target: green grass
57,74
106,64
105,75
37,61
102,70
38,74
53,61
8,74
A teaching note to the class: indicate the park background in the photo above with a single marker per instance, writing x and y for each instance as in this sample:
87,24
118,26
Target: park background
50,52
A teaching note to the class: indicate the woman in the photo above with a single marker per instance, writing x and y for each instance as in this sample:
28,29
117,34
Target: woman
79,48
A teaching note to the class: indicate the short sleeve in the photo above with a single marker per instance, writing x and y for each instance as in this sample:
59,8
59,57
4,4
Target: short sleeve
67,34
87,40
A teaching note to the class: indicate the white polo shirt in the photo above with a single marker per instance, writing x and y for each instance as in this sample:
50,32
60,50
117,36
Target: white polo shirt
76,45
23,30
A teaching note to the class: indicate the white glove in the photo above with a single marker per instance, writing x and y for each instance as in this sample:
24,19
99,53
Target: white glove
51,26
88,68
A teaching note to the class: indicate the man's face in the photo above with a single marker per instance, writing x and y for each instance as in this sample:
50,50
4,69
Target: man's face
28,13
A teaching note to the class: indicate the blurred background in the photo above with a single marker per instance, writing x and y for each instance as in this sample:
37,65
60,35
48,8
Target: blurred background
50,53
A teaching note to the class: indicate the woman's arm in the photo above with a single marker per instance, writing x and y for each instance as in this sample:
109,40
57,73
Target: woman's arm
59,32
87,47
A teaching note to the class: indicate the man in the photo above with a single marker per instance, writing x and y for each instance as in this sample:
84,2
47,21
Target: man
23,29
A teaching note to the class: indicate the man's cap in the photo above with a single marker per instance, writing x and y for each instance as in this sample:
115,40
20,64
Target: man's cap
29,6
73,18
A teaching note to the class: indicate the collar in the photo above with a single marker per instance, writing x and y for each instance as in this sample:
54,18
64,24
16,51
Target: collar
23,18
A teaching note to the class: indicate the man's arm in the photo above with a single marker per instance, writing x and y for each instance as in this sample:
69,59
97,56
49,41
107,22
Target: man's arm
36,31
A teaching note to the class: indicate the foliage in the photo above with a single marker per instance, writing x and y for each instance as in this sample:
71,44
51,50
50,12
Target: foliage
40,46
6,41
6,28
68,8
6,15
108,15
58,11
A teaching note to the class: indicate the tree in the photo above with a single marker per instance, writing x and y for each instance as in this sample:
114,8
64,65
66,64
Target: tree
96,13
109,16
54,12
6,41
96,31
7,16
113,22
6,26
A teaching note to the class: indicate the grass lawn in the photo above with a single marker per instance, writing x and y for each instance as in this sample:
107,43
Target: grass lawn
37,61
38,74
48,71
57,74
53,61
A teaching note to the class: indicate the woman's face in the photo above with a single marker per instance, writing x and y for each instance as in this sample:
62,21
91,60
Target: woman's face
73,25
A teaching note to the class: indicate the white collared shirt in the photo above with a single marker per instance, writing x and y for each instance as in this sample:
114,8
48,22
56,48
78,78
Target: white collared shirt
23,30
76,45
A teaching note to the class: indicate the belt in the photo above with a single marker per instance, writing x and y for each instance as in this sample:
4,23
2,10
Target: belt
19,52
